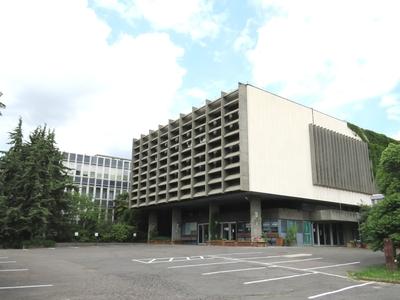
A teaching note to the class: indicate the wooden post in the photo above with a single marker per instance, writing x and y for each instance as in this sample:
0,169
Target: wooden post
389,255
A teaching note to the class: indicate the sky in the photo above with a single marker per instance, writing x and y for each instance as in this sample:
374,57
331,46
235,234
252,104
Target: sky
101,72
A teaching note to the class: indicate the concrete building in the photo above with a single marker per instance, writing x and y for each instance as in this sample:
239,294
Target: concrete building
100,177
250,165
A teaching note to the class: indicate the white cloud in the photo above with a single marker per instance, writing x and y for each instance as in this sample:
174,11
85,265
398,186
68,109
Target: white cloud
339,51
57,67
391,103
193,17
244,41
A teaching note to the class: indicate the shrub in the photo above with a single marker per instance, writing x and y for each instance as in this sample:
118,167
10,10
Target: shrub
291,236
121,232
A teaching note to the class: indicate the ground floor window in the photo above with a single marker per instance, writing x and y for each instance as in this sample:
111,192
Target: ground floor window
243,231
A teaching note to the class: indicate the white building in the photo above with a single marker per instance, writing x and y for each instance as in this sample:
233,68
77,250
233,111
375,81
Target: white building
257,164
100,177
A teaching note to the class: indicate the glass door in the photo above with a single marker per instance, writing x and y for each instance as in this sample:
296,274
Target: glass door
307,239
228,231
202,233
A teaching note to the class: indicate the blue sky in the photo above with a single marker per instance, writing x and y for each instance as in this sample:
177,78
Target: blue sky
103,71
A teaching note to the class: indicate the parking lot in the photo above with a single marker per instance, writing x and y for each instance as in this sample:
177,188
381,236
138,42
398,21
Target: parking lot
142,271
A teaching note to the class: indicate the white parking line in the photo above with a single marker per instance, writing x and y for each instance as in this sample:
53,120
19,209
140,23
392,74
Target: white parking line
283,267
237,260
8,262
333,266
14,270
201,265
341,290
278,278
271,256
235,270
24,286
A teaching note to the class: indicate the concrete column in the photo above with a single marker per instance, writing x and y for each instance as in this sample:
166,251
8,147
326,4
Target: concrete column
176,224
213,211
255,218
153,226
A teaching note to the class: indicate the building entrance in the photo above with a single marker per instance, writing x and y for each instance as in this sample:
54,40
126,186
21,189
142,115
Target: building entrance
202,233
228,231
328,234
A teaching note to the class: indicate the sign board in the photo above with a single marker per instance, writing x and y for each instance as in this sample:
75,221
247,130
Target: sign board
76,233
96,234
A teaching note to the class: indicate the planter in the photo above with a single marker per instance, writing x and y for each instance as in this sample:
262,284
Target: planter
279,241
160,242
236,243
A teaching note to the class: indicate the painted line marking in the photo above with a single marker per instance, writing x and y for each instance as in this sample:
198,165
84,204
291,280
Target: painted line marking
24,286
274,264
234,260
283,267
8,262
272,256
278,278
333,266
201,265
235,270
14,270
341,290
203,255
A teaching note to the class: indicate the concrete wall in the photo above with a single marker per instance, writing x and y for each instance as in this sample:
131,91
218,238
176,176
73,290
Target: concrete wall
279,149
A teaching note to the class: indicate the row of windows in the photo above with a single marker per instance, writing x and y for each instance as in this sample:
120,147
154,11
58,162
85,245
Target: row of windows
100,182
96,161
99,175
101,193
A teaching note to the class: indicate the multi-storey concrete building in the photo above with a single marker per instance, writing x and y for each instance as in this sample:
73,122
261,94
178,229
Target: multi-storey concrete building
252,164
100,177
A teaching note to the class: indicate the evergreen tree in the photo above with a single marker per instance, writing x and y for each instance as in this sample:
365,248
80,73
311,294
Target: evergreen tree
34,187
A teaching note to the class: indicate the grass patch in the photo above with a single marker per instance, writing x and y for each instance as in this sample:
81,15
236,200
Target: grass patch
377,273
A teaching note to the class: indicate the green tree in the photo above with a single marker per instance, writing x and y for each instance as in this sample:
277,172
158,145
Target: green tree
388,174
121,204
383,222
383,219
83,212
34,186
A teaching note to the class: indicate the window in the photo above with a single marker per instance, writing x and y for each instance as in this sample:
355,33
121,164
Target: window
100,161
189,228
120,164
72,157
107,162
92,174
270,226
98,193
65,155
114,163
84,180
77,172
85,173
80,158
126,165
94,161
87,159
105,175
